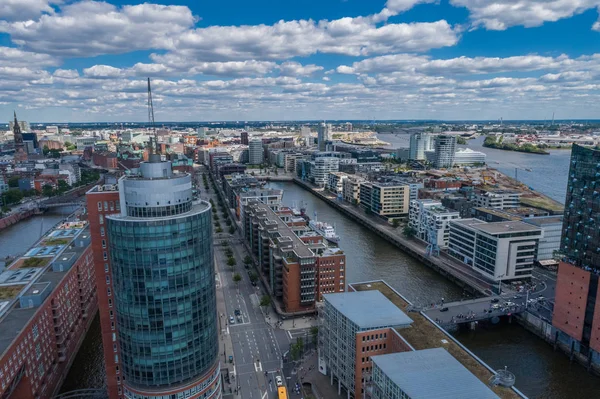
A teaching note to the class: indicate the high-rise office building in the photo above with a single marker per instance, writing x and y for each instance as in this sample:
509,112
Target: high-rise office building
244,138
155,276
445,147
323,136
419,143
255,152
577,302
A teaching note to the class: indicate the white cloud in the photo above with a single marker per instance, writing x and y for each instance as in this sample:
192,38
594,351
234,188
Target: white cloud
23,10
287,39
291,68
233,68
92,28
502,14
10,56
103,72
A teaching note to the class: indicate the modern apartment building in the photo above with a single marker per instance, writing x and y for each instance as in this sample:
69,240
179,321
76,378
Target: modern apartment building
157,266
419,143
354,327
298,265
321,168
387,199
323,136
499,251
408,375
48,300
577,302
445,147
256,153
497,199
351,189
335,182
431,221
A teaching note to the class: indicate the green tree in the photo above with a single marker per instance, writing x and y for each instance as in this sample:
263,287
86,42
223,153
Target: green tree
395,223
47,190
247,259
237,278
13,182
219,230
45,150
265,300
231,261
314,333
63,186
253,277
54,153
408,231
229,252
12,196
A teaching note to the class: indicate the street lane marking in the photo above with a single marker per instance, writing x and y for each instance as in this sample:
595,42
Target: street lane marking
258,366
289,334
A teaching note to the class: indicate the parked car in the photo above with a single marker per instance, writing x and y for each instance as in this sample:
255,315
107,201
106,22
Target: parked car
278,381
231,319
443,309
495,300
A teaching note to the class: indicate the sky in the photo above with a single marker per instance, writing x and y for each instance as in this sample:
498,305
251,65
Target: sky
240,60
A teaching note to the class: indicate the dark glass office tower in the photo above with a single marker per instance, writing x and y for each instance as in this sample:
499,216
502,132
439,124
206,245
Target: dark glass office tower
164,286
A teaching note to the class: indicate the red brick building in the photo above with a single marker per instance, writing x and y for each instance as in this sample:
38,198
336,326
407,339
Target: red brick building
45,312
103,201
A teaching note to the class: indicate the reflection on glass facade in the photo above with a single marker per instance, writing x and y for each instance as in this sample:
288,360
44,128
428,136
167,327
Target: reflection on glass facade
164,283
581,226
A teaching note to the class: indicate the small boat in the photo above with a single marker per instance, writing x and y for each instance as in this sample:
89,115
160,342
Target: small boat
325,229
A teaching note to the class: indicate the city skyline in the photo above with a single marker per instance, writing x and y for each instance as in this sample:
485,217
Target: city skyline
401,59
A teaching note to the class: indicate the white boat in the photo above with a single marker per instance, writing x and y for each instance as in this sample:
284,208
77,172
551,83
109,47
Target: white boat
324,229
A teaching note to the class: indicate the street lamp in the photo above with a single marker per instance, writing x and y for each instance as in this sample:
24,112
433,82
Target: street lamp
500,284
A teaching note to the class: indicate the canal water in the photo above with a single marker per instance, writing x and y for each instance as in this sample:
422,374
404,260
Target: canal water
540,372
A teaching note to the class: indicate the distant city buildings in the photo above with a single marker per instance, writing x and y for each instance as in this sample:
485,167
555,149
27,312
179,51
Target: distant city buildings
323,136
419,144
497,199
431,221
256,152
387,199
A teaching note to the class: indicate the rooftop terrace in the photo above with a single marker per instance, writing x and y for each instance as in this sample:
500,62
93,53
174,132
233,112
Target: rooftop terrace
33,275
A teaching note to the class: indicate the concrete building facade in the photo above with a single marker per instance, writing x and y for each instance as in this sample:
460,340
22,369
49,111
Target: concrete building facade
498,199
499,251
445,147
386,199
431,221
256,153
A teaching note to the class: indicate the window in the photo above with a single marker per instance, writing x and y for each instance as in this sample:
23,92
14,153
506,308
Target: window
99,205
112,314
107,279
114,337
106,268
110,303
114,347
105,206
112,325
38,351
102,231
104,255
41,370
36,332
101,219
108,292
112,206
103,243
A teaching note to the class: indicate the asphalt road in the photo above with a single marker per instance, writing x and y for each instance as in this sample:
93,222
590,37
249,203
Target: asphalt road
257,347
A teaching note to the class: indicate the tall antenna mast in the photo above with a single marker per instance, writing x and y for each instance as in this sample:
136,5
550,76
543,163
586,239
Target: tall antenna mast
151,119
552,119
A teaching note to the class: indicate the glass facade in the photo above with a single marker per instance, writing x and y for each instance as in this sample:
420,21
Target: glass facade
165,297
581,226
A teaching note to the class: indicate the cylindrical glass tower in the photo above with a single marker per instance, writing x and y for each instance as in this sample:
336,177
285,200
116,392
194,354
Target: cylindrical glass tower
162,258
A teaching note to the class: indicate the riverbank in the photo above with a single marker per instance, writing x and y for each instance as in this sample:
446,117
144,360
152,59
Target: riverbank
492,142
457,272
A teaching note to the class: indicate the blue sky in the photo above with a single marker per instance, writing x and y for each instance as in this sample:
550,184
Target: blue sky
70,60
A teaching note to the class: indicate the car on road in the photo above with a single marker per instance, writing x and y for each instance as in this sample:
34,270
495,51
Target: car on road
231,319
237,312
443,309
495,300
278,381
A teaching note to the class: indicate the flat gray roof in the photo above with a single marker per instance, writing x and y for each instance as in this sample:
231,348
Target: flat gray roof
432,374
511,226
544,220
368,309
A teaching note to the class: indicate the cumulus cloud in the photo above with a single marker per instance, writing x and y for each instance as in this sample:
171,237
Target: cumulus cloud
10,56
92,28
502,14
291,68
103,72
23,10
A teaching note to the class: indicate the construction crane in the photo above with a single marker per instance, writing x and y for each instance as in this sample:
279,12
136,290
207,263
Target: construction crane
151,120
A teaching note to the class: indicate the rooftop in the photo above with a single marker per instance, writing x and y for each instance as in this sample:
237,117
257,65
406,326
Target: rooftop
424,334
511,226
21,281
368,309
432,374
545,220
